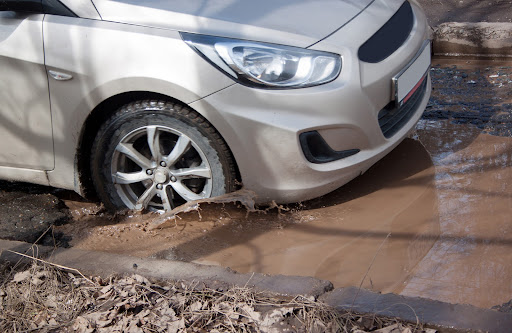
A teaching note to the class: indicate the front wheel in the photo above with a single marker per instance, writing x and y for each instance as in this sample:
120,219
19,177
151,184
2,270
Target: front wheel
157,155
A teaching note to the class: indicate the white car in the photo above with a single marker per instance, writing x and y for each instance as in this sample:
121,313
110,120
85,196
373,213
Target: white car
149,104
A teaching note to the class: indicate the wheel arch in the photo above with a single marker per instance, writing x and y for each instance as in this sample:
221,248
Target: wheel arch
98,116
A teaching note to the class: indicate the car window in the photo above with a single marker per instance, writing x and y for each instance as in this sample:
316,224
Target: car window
24,5
55,7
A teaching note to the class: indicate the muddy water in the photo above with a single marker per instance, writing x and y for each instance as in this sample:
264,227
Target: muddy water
380,226
471,261
373,232
431,219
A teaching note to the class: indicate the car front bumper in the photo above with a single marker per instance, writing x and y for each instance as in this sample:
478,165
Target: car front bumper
263,127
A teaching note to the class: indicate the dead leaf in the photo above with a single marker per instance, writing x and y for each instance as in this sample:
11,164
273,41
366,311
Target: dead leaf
196,306
250,312
175,326
134,328
390,329
140,279
106,289
51,301
22,276
82,325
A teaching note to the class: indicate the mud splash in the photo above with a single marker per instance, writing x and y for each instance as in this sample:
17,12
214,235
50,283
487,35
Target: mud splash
242,197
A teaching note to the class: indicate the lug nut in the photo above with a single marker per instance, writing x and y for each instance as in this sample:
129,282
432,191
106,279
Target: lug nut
163,164
149,172
173,179
159,186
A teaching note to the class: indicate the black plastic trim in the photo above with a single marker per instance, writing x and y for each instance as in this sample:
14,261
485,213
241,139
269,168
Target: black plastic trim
390,37
26,6
53,7
393,118
317,151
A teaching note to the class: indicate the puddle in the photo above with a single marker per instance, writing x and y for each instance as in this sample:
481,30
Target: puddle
431,219
378,227
471,261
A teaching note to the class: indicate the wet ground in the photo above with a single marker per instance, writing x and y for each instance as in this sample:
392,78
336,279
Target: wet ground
431,219
28,213
441,11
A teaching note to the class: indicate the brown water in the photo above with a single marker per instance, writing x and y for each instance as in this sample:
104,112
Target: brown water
375,229
471,262
379,226
432,219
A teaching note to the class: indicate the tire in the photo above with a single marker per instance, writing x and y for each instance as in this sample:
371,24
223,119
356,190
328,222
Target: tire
157,155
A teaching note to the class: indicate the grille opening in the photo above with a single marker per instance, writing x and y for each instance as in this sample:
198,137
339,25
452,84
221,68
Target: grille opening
390,37
393,118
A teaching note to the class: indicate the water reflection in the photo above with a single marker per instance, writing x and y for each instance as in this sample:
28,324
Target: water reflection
471,261
378,228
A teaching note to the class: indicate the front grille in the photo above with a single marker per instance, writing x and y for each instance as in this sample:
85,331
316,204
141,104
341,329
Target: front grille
390,37
393,118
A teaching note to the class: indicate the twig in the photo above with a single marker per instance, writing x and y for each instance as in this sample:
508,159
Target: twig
56,265
33,247
369,267
252,275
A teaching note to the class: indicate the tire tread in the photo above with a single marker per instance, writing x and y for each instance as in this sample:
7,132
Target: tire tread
175,108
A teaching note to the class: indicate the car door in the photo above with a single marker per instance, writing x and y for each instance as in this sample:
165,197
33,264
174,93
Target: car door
25,117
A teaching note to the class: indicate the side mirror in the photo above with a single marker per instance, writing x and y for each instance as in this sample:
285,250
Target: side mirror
27,6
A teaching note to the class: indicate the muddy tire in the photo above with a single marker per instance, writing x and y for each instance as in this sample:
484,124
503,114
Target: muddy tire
157,155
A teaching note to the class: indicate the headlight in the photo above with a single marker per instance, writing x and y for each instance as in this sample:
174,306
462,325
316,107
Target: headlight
266,65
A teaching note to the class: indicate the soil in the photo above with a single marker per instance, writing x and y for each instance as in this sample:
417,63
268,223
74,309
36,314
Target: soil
473,92
28,213
440,11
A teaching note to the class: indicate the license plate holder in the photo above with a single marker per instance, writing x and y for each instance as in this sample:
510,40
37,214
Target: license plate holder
407,82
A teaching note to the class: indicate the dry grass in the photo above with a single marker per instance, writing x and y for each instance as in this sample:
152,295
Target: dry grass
40,296
44,298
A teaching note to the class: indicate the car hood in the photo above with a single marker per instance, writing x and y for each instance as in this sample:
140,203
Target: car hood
292,22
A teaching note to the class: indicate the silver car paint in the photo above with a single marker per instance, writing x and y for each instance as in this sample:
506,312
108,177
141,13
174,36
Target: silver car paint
267,123
153,60
292,22
25,119
260,126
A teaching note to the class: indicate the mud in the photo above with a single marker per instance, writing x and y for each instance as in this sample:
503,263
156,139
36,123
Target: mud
27,213
429,220
440,11
473,92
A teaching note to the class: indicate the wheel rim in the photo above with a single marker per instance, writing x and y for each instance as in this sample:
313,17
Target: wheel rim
159,168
